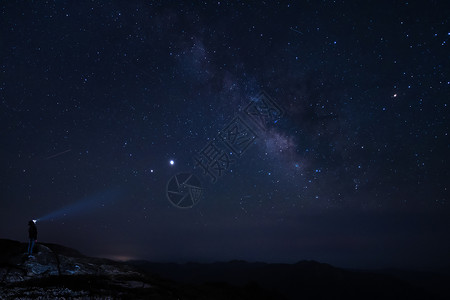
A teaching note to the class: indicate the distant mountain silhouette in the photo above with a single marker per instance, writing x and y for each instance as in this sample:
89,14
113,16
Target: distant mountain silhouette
307,279
57,272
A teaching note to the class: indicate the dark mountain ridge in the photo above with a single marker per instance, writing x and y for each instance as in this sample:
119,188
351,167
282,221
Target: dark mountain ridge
309,279
56,272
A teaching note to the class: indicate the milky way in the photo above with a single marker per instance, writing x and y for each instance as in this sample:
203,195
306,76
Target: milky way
105,95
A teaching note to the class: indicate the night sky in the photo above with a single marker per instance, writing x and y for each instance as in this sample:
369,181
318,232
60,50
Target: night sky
346,160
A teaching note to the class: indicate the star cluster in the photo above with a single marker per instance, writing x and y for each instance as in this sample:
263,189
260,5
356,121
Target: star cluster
99,95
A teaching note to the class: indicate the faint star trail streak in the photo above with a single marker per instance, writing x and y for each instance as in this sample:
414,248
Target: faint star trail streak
58,154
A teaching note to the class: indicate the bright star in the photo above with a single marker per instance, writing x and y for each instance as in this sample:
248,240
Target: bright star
172,162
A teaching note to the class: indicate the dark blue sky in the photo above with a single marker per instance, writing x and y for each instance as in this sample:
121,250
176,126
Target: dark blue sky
352,168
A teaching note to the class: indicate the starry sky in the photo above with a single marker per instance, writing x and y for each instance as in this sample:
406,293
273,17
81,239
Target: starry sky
102,103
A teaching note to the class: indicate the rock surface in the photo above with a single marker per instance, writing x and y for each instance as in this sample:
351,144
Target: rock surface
49,273
56,272
17,266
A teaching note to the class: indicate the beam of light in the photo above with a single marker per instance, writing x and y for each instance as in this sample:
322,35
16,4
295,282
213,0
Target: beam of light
89,203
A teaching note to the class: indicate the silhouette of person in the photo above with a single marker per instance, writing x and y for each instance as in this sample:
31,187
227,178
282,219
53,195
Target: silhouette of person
32,234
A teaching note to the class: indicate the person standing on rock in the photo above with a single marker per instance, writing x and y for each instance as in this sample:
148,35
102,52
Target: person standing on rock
32,234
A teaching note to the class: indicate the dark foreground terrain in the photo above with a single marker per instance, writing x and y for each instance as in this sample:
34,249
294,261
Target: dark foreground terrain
57,272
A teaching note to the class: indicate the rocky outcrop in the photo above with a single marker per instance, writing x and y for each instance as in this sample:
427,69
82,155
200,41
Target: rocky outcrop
49,274
18,266
57,272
